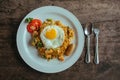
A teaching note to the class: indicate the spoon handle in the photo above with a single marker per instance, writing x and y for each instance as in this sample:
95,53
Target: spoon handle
87,58
96,59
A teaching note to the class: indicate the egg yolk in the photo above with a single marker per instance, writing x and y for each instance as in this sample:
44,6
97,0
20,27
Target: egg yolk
51,34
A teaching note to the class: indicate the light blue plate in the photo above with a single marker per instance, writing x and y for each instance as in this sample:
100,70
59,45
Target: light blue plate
30,55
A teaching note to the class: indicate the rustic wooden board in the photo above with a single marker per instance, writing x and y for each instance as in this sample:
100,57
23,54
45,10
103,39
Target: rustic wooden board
104,13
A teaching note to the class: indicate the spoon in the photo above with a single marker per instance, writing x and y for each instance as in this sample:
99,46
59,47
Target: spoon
96,31
88,31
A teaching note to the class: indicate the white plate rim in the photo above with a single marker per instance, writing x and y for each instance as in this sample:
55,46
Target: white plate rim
71,61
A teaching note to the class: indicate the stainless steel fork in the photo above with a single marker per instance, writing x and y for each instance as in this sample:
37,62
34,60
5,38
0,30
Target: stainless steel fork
96,31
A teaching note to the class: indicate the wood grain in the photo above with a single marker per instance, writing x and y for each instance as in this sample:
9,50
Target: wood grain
104,13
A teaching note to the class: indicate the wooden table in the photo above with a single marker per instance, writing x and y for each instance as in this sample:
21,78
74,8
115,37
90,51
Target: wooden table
104,13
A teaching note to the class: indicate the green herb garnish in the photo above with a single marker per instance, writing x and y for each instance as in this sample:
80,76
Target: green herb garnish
39,44
27,20
49,19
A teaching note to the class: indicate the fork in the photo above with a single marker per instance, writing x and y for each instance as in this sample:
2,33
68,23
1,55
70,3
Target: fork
96,31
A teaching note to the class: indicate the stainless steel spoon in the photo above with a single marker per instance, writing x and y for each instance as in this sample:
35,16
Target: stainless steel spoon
96,31
88,31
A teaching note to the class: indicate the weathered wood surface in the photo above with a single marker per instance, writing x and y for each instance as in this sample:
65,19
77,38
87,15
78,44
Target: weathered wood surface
104,13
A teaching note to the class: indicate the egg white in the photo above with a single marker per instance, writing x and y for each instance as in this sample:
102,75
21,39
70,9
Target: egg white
54,43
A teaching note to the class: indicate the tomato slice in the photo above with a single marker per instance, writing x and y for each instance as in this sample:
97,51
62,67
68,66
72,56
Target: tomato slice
31,27
34,25
37,23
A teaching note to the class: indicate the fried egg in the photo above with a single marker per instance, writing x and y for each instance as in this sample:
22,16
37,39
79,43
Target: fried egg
52,36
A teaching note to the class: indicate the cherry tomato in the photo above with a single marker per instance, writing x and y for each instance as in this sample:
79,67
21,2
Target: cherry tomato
31,27
37,23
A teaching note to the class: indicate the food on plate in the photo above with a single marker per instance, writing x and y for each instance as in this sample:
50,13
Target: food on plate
69,49
51,38
27,20
33,24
